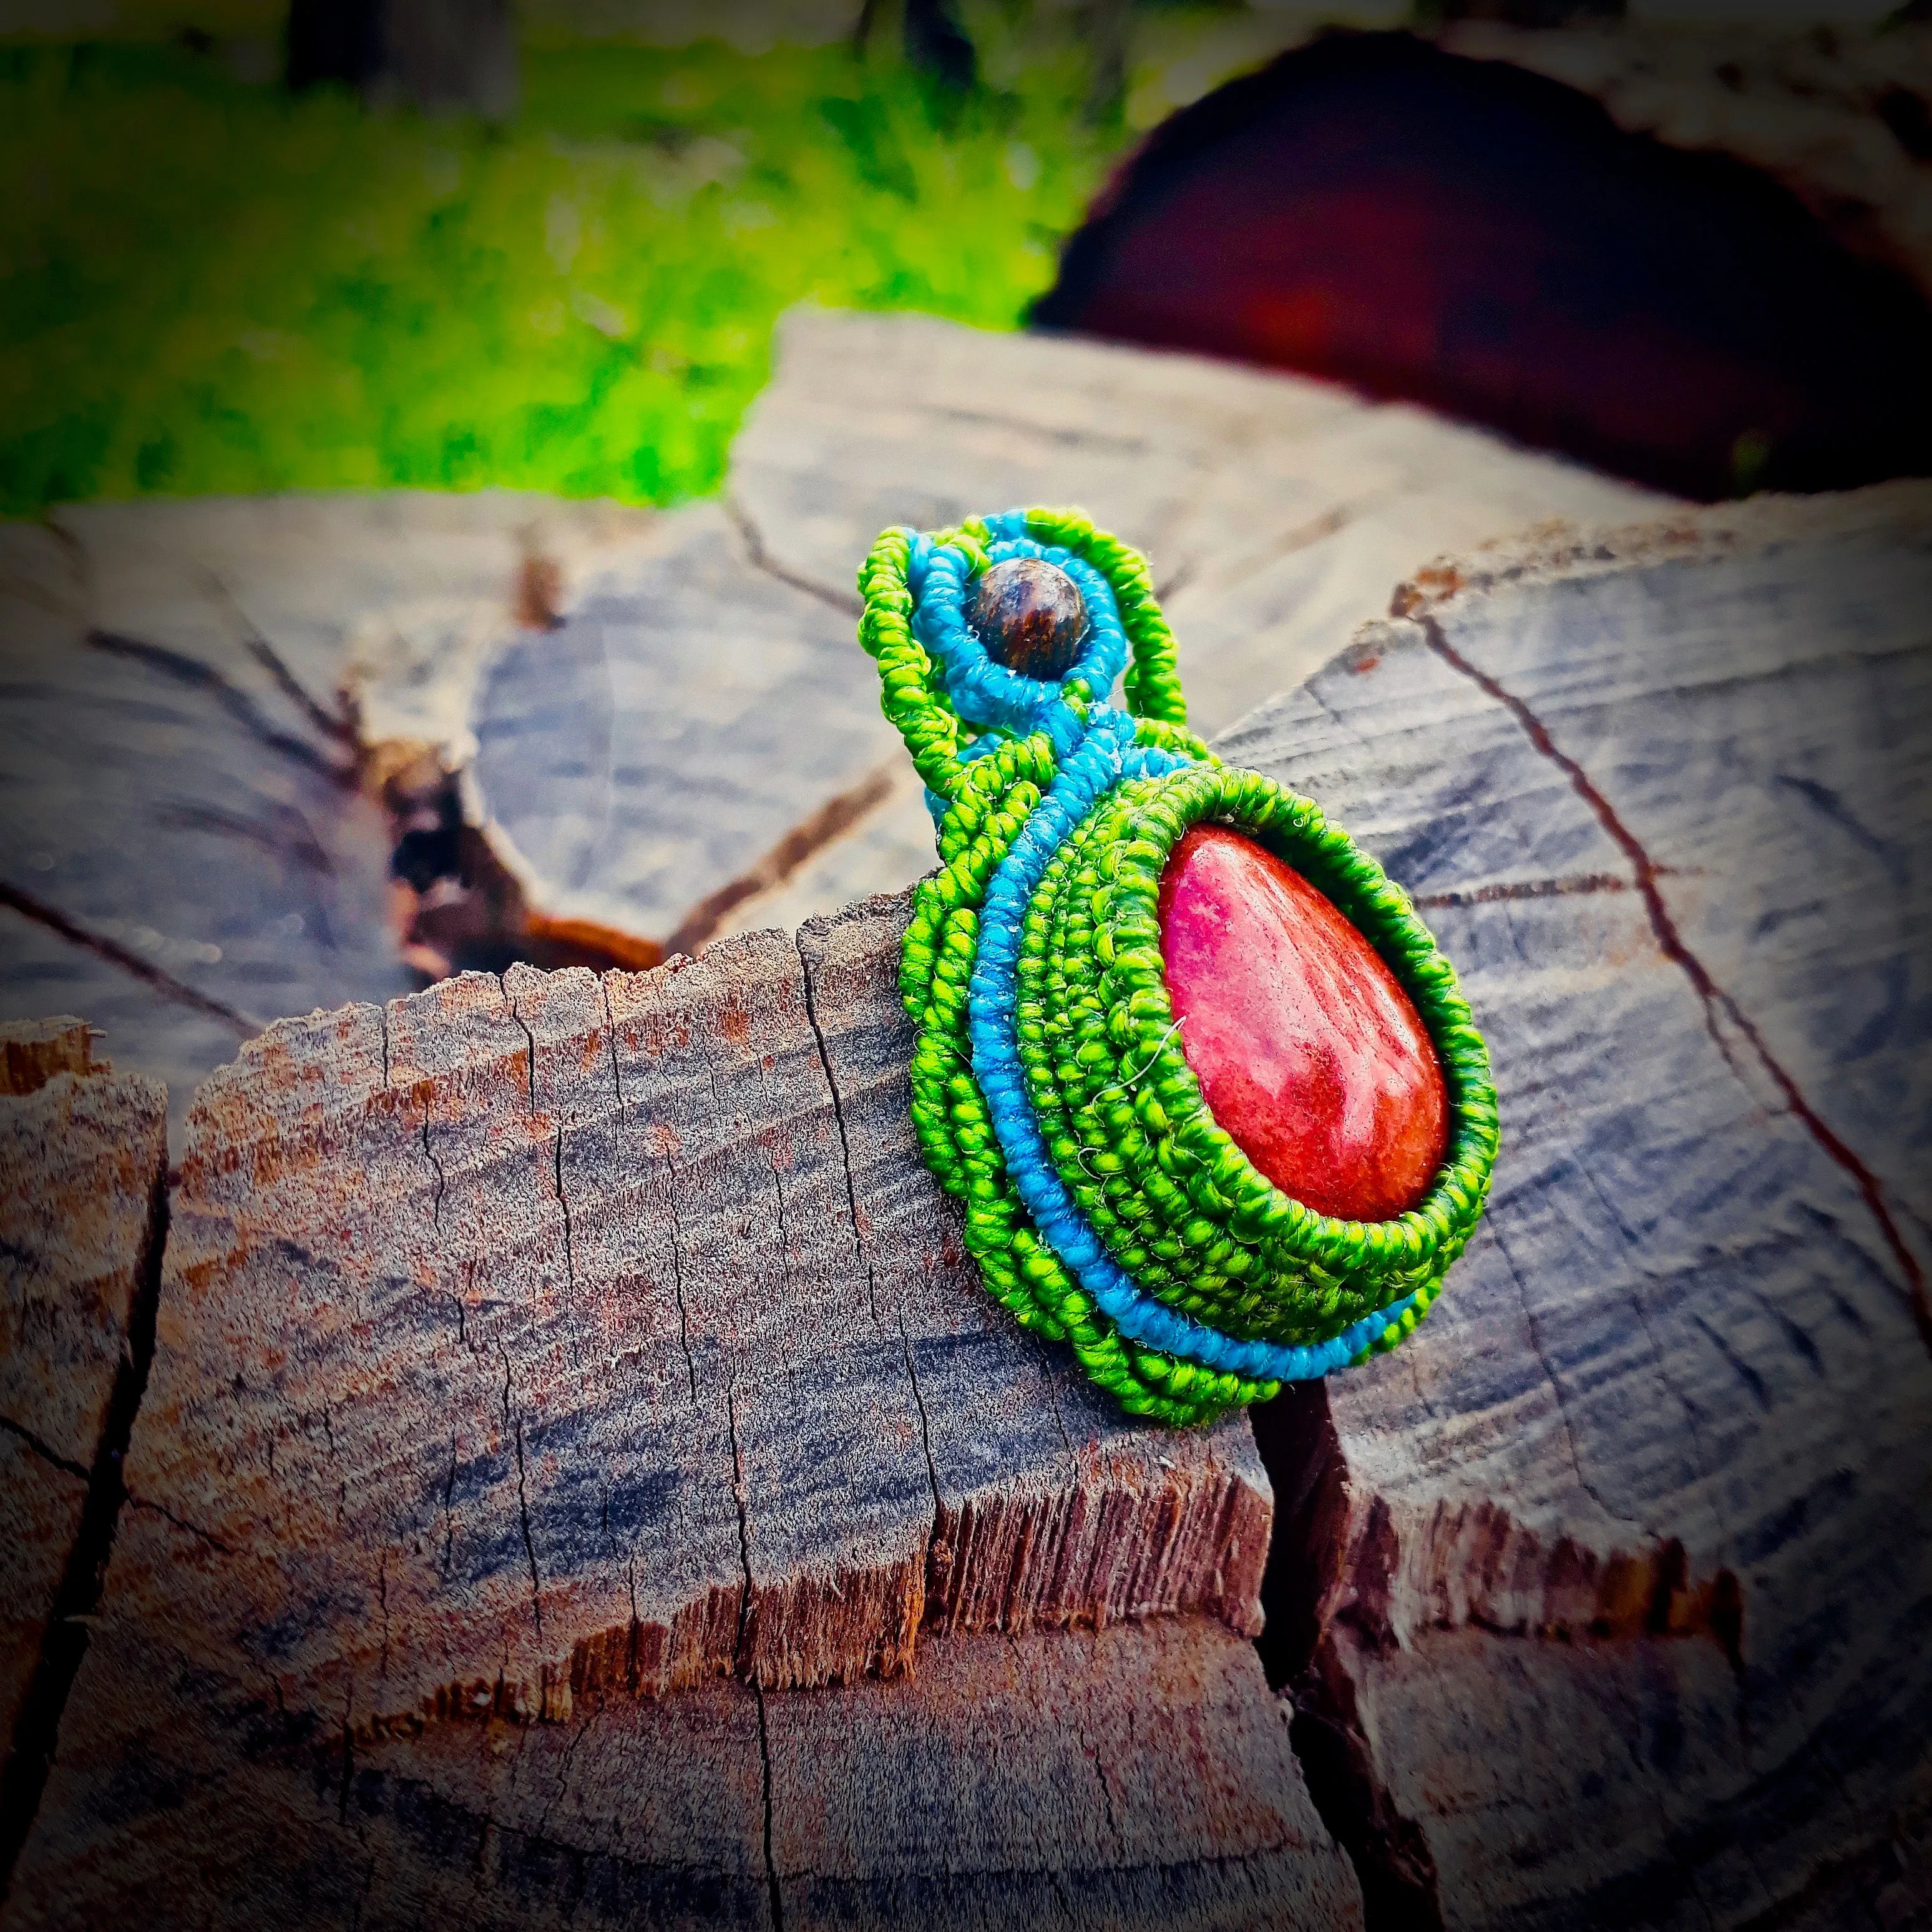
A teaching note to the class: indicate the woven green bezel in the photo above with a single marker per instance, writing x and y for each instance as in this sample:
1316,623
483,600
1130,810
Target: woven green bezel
954,1129
912,687
1175,1199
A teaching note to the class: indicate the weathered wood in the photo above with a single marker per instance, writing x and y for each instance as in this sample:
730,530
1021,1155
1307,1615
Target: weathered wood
1277,511
1619,1574
547,1340
690,715
687,713
574,732
535,1346
186,850
83,1158
1139,1776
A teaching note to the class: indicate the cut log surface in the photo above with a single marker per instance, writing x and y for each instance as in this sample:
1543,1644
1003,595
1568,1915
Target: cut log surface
1138,1776
1628,1557
540,1346
698,749
186,848
579,1478
83,1156
237,727
1485,241
687,715
1277,511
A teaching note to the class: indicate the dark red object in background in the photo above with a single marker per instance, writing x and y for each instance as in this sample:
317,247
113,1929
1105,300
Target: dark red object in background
1308,1051
1468,235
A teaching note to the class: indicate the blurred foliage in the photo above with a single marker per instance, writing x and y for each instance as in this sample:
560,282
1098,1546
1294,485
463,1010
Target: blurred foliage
210,286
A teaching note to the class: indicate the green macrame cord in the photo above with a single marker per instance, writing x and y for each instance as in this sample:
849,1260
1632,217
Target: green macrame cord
1103,1204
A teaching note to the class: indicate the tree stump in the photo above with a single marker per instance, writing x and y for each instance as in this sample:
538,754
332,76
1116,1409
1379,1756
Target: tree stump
697,749
1614,1583
584,1368
579,1480
1478,236
278,754
83,1159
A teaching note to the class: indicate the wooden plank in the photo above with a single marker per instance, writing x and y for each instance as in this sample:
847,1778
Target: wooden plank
83,1159
1620,1570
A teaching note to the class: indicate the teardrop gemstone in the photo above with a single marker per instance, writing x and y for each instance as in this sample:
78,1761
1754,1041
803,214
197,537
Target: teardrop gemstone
1306,1048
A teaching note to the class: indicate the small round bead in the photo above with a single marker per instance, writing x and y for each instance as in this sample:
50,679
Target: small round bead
1031,618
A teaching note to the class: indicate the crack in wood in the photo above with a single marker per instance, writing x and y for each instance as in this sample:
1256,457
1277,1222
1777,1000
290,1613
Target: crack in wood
197,676
1401,1890
836,816
64,1645
44,1450
245,1025
181,1522
747,1617
339,725
1671,942
847,602
513,1427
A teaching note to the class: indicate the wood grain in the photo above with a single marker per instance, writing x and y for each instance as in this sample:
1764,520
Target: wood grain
603,727
697,749
581,1479
1627,1557
1140,1776
83,1159
1277,512
82,1153
533,1348
198,692
545,1316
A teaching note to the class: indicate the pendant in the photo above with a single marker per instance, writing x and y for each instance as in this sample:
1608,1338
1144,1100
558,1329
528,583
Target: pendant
1215,1105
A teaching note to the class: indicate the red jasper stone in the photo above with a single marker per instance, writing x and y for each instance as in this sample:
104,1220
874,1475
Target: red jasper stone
1308,1050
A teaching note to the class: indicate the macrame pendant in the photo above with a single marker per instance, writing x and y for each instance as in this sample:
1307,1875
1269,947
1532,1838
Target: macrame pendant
1206,1084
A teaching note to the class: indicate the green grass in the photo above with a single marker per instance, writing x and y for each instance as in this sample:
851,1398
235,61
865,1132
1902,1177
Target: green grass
208,286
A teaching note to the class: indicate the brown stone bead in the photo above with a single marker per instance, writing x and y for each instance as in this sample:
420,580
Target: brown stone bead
1030,617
